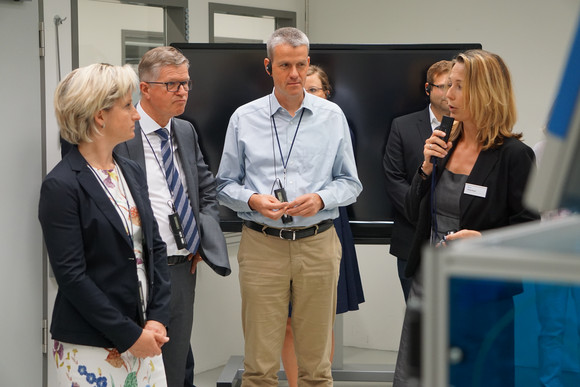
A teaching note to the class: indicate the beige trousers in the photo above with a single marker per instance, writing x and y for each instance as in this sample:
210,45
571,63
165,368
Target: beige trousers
274,272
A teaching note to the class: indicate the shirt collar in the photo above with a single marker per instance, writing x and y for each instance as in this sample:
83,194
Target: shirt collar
306,103
432,119
308,100
148,124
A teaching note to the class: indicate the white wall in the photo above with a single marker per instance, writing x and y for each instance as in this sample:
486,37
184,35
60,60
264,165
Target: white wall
532,36
100,44
20,239
199,11
217,324
52,60
378,323
254,28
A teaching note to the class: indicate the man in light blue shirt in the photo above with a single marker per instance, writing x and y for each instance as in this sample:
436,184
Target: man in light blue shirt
286,167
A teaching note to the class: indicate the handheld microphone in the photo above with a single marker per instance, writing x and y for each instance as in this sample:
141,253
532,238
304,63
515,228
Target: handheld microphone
446,125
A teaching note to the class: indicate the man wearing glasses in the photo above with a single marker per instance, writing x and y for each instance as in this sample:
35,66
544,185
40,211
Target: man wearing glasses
182,190
404,154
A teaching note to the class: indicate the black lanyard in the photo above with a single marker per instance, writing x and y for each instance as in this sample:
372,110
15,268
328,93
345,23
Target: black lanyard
285,163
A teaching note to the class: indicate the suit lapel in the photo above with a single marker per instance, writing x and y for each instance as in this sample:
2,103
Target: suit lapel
186,151
88,181
423,127
183,141
485,163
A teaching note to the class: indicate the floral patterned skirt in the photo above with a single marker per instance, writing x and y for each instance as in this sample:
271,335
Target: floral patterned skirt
80,365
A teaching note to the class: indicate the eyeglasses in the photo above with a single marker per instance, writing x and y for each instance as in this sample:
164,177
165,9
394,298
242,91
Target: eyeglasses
443,86
313,89
173,87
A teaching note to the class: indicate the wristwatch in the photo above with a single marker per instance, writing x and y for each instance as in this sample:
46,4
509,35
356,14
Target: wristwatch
422,173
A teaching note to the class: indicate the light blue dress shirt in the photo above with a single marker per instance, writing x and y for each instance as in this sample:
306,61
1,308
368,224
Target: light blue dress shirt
321,160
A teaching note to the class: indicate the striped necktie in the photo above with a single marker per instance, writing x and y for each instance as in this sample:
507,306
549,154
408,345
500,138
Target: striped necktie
180,199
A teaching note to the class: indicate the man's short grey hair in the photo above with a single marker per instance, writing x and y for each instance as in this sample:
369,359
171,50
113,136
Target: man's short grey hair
158,57
286,35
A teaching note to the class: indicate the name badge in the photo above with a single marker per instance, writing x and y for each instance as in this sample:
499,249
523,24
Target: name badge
475,190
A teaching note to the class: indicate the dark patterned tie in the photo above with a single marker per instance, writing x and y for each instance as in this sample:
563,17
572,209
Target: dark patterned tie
180,199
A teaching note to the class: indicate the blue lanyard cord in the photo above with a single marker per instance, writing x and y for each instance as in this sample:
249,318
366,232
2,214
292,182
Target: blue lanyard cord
285,163
433,205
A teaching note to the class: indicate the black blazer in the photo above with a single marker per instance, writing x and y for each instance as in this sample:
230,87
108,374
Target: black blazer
504,170
201,190
403,155
92,257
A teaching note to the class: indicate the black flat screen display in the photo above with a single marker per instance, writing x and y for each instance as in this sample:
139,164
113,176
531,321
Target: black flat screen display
371,83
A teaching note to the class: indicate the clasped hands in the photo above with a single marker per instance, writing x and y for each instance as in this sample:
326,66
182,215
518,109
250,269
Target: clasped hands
304,205
152,338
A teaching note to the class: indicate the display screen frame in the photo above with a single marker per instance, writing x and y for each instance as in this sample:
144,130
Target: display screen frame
371,83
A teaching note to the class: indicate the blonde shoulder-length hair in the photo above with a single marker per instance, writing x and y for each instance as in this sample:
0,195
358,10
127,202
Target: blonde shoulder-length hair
85,91
488,96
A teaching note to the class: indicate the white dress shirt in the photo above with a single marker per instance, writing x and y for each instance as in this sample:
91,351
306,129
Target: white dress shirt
159,193
434,122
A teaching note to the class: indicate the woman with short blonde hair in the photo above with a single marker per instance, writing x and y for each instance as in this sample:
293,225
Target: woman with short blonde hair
84,92
108,259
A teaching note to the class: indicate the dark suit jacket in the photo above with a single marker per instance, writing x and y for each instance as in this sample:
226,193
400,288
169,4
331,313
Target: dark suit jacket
503,170
403,155
201,188
93,260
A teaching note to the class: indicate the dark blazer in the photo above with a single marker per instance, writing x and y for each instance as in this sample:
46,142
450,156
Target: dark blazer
504,170
201,188
403,155
92,257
